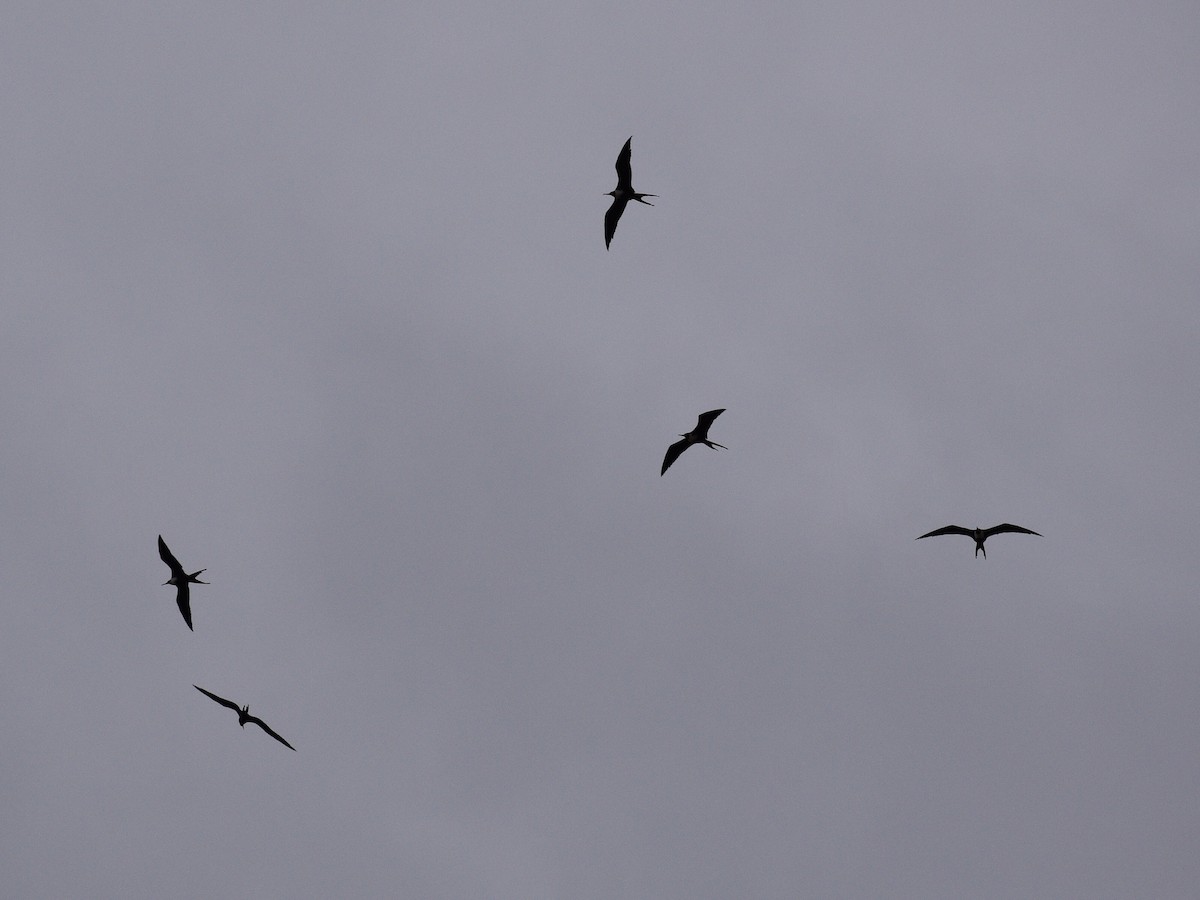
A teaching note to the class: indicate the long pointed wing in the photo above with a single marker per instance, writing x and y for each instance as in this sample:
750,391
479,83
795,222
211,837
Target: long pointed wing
1001,529
611,218
183,599
263,725
168,557
949,529
624,172
220,700
673,454
705,421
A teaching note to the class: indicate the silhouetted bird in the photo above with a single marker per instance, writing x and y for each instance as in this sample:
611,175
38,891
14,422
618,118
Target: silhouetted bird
623,194
180,579
244,715
979,535
698,435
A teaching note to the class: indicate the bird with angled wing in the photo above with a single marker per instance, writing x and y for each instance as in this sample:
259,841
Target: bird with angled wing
180,579
698,435
622,194
244,715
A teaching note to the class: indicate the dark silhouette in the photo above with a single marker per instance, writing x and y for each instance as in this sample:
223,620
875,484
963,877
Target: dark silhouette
180,579
979,535
623,193
244,715
698,435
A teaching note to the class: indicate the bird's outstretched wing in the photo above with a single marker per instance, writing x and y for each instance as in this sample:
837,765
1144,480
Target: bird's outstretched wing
220,700
624,172
263,725
611,218
1000,529
168,557
704,422
183,599
673,454
949,529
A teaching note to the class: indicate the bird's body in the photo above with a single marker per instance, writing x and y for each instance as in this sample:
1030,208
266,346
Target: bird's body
979,535
244,715
622,194
698,435
180,579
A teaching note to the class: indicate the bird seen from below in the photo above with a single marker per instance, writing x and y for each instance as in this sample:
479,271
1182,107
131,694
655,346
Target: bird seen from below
979,535
698,435
244,715
180,579
623,193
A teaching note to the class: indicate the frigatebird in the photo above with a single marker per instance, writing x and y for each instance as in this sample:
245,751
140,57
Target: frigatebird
979,535
698,435
623,193
244,715
180,579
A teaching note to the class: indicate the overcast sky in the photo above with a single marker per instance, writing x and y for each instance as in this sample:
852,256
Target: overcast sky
320,294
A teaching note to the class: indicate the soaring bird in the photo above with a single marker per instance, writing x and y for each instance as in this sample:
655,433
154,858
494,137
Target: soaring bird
623,194
979,535
244,715
698,435
180,579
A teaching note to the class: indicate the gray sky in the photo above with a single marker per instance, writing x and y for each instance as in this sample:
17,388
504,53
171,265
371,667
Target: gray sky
321,296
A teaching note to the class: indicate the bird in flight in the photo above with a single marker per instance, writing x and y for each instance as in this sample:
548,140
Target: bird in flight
623,193
244,715
180,579
698,435
979,535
